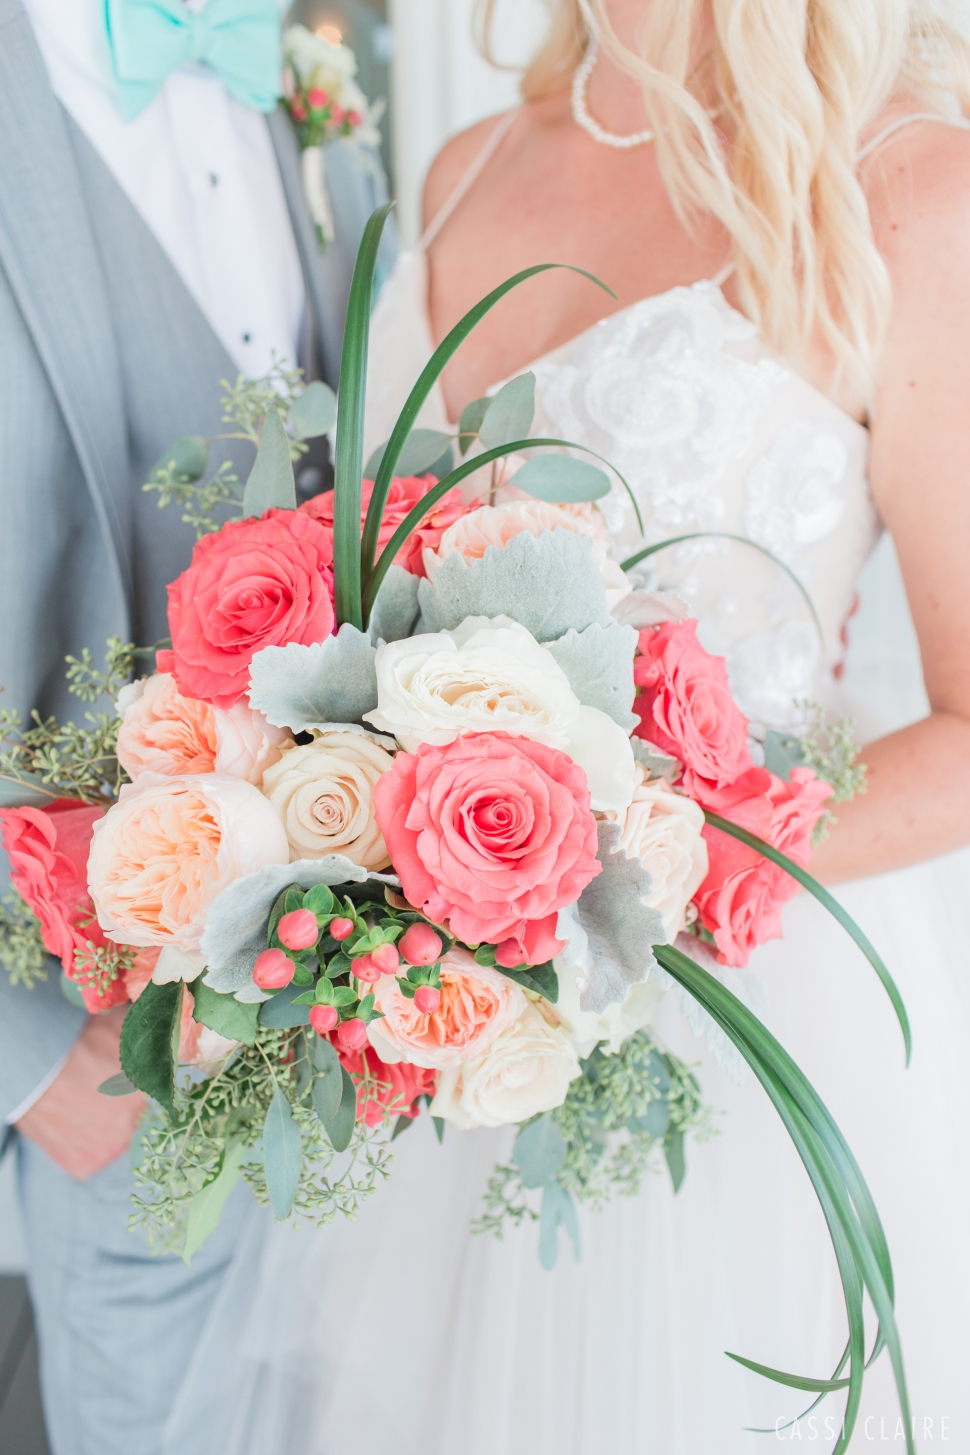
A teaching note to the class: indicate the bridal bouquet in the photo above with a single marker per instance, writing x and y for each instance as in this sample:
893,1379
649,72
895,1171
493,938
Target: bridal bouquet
424,804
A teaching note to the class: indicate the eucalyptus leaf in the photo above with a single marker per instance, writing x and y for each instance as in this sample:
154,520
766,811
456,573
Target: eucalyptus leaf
674,1153
282,1012
117,1085
557,1208
422,449
510,413
207,1205
328,1087
184,462
539,1151
782,754
271,483
401,1125
225,1014
282,1155
439,1128
471,422
314,412
340,1127
149,1040
561,479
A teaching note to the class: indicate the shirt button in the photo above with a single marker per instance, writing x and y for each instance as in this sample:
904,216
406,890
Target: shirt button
246,338
213,180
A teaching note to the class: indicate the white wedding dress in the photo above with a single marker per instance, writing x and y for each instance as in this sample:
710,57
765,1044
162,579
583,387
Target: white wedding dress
403,1332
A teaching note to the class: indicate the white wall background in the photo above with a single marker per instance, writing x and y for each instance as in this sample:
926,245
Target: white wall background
440,84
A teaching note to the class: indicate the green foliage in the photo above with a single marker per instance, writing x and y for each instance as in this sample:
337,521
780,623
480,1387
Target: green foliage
208,503
96,966
150,1038
21,947
69,760
185,1152
271,483
614,1121
830,748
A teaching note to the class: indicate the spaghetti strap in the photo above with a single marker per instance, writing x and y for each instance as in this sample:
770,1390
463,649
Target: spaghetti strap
721,278
496,136
876,142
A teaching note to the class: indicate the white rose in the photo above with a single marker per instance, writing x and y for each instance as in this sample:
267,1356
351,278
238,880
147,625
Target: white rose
495,525
323,793
316,61
663,830
525,1070
618,1022
493,676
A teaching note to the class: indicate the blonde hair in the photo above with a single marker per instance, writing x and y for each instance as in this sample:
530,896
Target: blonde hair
794,83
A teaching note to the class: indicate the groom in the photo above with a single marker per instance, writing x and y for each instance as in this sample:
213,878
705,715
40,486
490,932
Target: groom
153,240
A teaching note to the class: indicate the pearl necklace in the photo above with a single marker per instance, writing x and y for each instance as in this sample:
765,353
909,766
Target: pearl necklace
581,114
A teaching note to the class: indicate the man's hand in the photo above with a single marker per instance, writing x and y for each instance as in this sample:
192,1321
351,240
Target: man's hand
78,1127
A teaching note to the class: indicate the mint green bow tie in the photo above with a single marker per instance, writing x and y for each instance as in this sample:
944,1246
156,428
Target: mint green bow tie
239,39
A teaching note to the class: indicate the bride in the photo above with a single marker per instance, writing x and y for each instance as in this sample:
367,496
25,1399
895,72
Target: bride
777,193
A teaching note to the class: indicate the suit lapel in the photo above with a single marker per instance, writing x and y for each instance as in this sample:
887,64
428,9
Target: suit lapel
48,254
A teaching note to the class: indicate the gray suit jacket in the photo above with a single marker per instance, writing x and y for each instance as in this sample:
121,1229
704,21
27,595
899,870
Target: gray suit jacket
80,276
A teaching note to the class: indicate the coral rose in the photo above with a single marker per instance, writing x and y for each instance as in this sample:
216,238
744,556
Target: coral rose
526,1070
476,1005
740,901
323,793
491,834
384,1089
48,851
162,853
253,584
402,497
686,708
163,732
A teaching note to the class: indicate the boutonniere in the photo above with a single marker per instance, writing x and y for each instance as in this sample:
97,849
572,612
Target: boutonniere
325,104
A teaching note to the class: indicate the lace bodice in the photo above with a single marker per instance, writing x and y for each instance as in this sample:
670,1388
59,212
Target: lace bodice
713,433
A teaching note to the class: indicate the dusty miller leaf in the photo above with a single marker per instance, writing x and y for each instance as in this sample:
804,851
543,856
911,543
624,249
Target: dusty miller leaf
396,607
599,665
300,687
548,583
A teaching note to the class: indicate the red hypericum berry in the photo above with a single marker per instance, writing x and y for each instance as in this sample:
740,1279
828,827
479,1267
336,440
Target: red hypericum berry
365,969
337,114
427,999
419,945
298,930
273,970
509,954
386,958
341,929
323,1018
352,1035
354,117
297,111
317,98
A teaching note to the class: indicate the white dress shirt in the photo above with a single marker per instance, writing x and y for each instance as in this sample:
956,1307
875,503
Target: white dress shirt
201,170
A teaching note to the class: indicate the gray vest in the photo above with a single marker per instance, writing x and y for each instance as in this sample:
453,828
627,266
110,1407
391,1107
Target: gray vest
105,359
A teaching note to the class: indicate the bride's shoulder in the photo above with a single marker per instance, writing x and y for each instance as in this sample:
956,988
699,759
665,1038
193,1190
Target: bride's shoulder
918,187
452,162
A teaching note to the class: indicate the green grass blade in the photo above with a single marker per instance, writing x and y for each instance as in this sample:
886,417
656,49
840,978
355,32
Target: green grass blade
829,1162
422,389
349,457
724,535
417,513
833,907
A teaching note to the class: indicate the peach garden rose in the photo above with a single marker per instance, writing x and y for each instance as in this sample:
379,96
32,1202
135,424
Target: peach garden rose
163,731
162,853
477,1004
